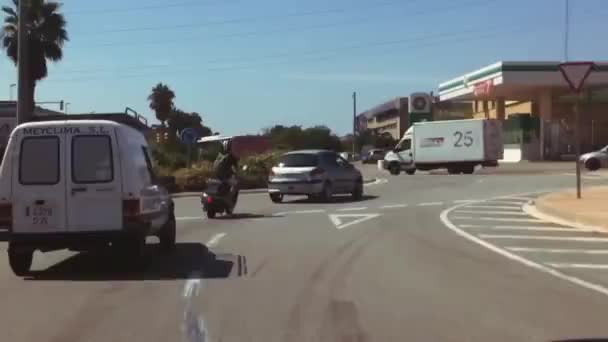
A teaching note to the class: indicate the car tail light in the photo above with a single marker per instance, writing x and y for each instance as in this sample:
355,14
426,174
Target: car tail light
209,199
317,172
131,208
6,215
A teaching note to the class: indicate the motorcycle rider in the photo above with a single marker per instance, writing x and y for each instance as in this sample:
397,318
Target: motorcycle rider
225,166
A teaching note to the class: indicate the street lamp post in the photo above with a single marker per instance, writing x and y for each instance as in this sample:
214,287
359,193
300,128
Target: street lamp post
22,65
66,107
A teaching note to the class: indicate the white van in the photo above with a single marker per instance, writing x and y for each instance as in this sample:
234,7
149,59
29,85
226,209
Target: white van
80,185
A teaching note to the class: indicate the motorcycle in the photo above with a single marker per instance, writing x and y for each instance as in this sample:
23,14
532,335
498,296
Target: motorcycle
219,197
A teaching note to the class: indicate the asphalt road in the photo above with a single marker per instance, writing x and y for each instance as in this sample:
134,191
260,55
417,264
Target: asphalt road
417,260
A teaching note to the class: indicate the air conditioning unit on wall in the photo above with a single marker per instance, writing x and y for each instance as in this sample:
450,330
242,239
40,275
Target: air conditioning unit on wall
420,103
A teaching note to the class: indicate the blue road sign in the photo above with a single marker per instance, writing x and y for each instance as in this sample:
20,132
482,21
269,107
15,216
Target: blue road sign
188,136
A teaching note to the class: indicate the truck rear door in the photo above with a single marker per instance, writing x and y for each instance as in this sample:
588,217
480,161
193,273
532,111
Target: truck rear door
39,184
94,192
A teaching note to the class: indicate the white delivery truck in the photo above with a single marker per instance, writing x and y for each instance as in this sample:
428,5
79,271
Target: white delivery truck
457,145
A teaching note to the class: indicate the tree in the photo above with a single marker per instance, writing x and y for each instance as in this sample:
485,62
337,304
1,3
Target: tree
46,36
161,101
295,138
179,120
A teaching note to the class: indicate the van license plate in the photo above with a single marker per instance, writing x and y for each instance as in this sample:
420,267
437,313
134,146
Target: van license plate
42,215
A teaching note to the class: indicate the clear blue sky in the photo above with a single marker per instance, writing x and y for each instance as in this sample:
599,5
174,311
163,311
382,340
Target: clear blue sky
245,65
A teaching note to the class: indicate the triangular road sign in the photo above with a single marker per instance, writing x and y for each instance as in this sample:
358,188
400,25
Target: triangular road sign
337,219
576,73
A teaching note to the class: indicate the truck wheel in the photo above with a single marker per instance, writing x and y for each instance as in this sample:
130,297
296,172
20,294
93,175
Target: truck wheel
276,198
410,171
453,170
20,260
167,234
593,164
468,170
394,169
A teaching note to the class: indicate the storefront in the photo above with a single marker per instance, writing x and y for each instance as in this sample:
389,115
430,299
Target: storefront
536,104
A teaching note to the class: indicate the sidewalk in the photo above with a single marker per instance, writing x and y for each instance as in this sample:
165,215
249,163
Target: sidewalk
591,210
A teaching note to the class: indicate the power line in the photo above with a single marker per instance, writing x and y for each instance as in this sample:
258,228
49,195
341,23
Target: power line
445,39
150,7
249,19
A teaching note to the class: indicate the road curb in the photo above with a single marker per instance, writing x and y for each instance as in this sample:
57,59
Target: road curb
250,191
548,215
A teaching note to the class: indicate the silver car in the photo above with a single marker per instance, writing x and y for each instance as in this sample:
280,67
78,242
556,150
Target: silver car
595,160
318,174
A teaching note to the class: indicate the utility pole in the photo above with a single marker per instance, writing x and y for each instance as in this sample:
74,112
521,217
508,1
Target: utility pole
22,65
10,91
354,121
566,29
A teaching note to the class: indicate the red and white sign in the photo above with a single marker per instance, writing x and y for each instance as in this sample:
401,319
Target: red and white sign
483,88
575,73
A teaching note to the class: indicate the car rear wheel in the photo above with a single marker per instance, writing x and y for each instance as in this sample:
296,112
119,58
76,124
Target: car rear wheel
276,198
211,213
410,171
358,191
326,193
469,169
593,164
20,260
453,170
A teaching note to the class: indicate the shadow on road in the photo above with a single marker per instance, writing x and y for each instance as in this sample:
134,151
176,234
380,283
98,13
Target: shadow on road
188,260
3,235
243,216
334,199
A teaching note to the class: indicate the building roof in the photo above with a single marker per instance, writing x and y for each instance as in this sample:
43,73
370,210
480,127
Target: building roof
9,109
393,104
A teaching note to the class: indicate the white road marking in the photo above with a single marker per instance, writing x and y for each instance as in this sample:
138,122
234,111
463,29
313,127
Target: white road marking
585,266
377,182
337,221
508,202
557,250
583,283
313,211
352,209
472,226
490,212
523,198
540,229
465,201
393,206
429,204
215,239
544,238
189,218
493,207
500,219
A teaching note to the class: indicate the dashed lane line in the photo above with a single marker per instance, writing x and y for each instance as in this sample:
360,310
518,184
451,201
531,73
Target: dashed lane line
558,250
352,209
428,204
394,206
189,218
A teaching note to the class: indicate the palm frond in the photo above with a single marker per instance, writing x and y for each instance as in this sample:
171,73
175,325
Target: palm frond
9,11
52,51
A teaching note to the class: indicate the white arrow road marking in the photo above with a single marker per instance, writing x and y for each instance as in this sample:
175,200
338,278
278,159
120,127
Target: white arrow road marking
336,219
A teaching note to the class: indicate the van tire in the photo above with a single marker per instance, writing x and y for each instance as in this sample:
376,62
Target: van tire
410,171
276,198
468,169
395,169
167,234
20,260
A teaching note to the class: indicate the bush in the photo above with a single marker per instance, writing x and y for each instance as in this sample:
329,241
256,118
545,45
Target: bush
193,179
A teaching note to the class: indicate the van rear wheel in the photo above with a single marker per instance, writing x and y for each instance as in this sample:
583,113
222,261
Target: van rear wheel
20,260
167,235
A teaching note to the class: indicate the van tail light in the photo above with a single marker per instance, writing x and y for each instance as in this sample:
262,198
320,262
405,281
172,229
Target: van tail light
6,215
317,172
131,208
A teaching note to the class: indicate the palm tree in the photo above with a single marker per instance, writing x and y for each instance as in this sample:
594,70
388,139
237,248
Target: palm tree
46,36
161,101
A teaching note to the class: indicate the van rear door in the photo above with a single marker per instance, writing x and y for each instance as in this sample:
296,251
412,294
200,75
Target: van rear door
94,192
39,184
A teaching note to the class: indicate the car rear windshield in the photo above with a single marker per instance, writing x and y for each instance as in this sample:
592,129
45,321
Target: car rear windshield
299,160
92,159
39,161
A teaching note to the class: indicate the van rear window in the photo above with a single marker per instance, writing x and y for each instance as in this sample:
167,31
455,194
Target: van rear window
92,159
39,161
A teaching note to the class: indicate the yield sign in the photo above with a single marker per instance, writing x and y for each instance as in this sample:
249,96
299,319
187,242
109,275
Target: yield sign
337,219
576,73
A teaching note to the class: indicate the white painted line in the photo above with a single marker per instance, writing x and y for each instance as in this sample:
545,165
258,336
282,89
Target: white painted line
215,239
493,207
472,226
393,206
352,209
544,238
539,229
337,221
585,266
189,218
519,198
313,211
491,212
580,282
500,219
557,250
465,201
378,181
429,204
508,202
